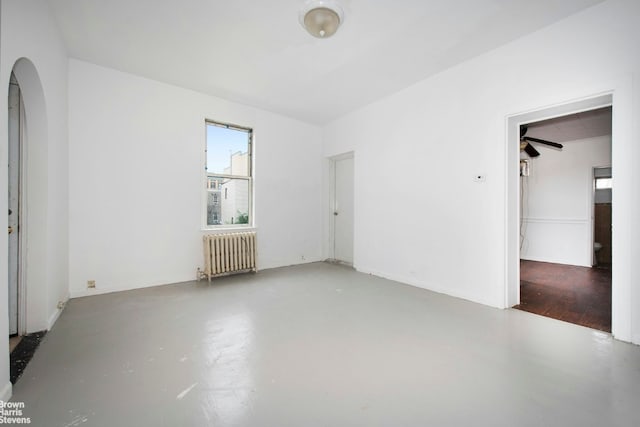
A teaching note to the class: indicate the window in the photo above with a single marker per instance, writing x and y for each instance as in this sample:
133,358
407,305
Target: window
603,183
229,180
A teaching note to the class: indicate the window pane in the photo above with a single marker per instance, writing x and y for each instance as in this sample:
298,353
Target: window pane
603,183
227,201
227,150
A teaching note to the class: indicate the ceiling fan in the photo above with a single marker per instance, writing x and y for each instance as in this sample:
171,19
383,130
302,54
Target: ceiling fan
525,142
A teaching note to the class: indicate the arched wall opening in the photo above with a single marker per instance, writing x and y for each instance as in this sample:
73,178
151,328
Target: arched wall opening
34,196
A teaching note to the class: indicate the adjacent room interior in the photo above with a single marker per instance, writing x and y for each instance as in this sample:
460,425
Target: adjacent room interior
565,231
320,212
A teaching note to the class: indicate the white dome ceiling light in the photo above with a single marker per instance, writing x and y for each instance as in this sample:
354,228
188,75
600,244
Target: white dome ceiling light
321,18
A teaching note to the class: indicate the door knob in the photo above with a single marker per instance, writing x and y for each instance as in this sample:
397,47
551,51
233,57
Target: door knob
10,229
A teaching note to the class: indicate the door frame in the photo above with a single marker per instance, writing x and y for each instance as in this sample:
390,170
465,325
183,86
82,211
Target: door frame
23,229
332,203
35,229
593,209
513,216
21,305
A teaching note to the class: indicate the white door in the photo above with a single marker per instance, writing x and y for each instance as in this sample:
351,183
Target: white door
14,202
343,210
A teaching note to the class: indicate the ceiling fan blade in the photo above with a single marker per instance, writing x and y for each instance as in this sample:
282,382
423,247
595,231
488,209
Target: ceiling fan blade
532,152
523,131
542,141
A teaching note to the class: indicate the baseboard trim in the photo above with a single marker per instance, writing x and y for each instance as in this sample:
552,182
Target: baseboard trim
6,392
80,293
429,287
557,221
527,257
54,317
101,291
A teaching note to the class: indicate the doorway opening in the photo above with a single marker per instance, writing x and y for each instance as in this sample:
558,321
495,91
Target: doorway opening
28,193
17,308
565,218
602,208
342,209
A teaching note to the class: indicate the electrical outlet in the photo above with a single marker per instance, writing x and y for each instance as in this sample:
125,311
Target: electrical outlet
303,258
61,305
91,284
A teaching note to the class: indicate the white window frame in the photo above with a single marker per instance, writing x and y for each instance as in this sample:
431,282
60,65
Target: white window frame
248,178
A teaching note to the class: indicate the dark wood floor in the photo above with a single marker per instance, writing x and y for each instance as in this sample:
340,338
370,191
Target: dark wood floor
579,295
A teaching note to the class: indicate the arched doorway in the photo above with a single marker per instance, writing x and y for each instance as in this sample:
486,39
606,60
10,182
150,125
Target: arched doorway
16,121
27,192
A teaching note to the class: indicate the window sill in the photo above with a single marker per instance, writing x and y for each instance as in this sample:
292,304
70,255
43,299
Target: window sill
227,229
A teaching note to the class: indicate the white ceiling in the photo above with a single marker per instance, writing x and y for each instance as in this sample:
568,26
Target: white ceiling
255,51
574,127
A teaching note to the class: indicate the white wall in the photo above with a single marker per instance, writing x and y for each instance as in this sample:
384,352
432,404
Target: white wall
424,145
30,38
558,202
137,177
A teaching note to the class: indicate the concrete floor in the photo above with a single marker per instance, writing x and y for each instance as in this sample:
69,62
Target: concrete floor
321,345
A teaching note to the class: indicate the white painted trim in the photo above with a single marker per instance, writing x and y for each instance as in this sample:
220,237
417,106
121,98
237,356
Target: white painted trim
35,207
101,291
222,230
105,290
23,232
331,208
445,291
343,156
6,392
338,262
53,318
56,315
22,236
251,178
569,221
619,94
592,212
332,201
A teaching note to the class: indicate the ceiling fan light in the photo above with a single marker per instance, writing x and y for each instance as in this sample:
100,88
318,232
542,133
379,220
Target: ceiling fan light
321,18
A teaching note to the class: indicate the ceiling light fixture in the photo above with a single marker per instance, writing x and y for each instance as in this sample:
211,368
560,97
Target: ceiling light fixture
321,18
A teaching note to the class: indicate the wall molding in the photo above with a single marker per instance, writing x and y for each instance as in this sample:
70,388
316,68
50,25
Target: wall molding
56,314
571,221
430,286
